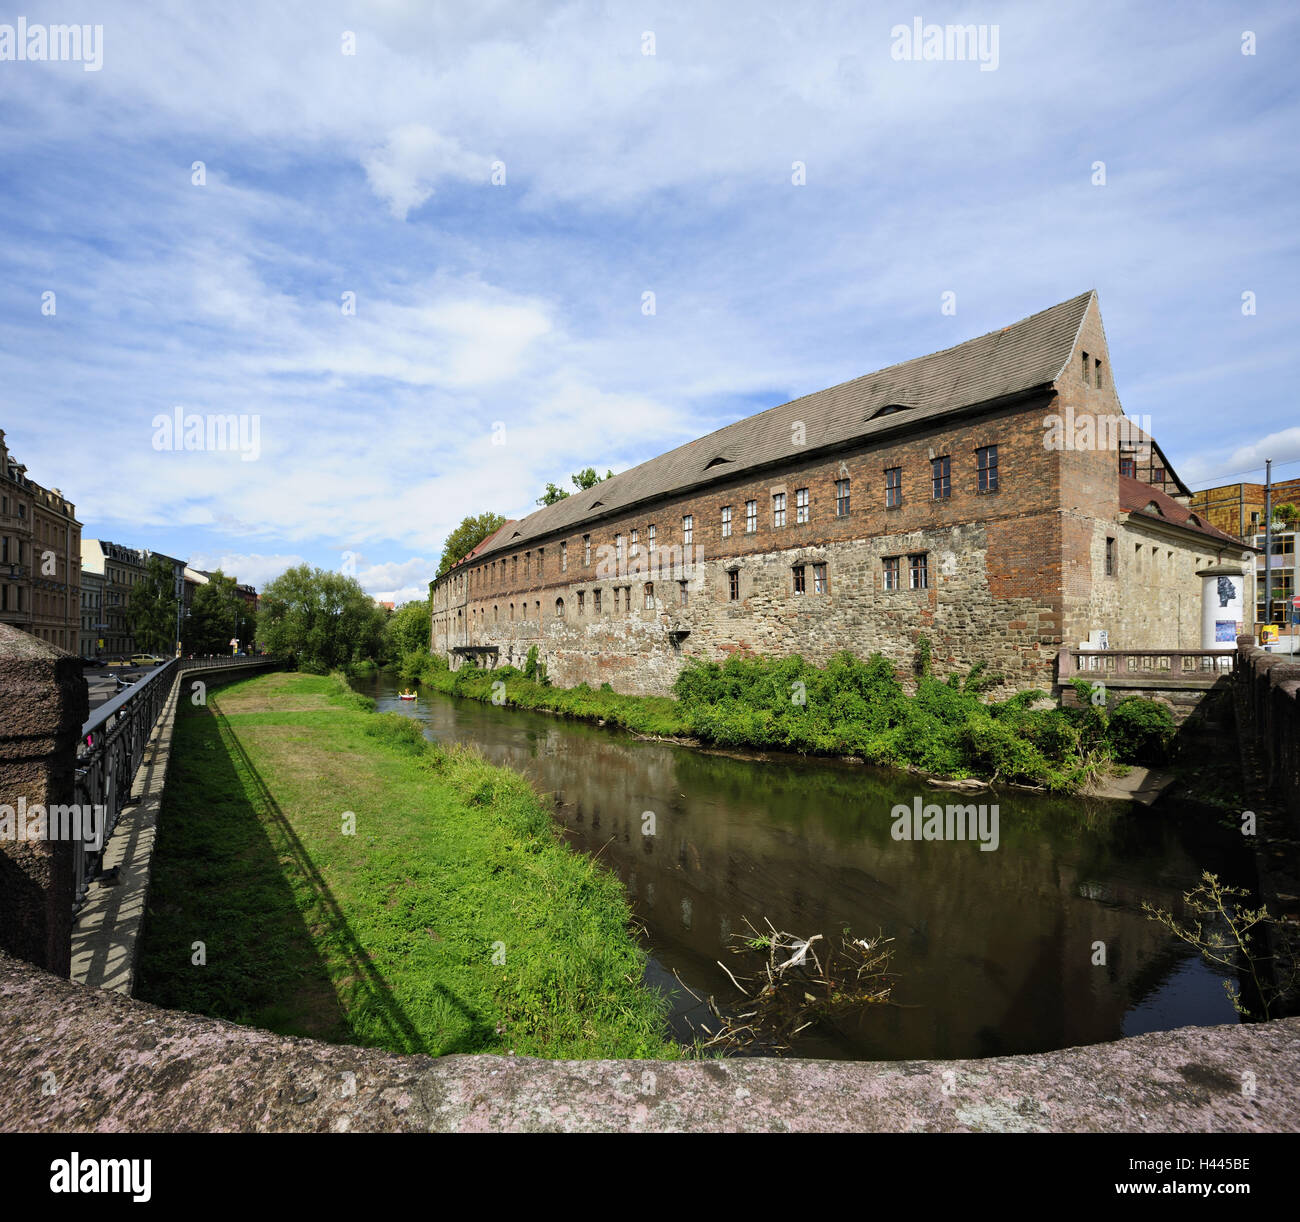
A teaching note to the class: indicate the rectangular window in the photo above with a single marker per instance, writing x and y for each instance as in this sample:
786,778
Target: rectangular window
1157,475
527,561
564,557
582,601
636,546
616,597
733,585
681,585
1085,368
1110,557
986,462
688,529
891,572
1096,366
650,536
920,577
586,549
627,599
726,521
595,602
798,572
893,487
1129,467
649,595
801,504
841,498
620,555
541,562
778,509
751,517
941,477
819,579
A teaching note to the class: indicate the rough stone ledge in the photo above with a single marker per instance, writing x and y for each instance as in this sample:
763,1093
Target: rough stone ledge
75,1059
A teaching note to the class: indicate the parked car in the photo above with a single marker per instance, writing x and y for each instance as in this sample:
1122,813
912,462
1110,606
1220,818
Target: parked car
145,659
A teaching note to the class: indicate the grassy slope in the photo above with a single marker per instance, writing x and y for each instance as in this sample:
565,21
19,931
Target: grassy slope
385,937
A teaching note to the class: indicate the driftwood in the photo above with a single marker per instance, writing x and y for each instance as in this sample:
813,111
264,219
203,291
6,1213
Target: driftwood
790,983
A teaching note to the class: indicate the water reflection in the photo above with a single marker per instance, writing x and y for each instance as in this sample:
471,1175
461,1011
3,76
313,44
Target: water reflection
1039,945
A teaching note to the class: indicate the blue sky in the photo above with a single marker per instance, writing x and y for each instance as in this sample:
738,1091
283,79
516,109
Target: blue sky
625,173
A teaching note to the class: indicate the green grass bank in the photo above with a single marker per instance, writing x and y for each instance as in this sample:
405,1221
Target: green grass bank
322,870
850,707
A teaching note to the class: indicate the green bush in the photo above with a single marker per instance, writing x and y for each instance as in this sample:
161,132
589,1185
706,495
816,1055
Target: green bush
1141,731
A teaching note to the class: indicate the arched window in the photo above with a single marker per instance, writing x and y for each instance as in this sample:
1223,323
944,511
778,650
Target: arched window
559,607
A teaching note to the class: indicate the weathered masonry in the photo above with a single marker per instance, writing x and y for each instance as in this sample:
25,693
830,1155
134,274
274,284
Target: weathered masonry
992,497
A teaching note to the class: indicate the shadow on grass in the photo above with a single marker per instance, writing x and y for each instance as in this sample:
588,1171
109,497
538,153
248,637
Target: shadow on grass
218,874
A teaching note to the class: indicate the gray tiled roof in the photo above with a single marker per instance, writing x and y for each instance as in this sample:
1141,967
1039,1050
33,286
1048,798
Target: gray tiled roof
1029,353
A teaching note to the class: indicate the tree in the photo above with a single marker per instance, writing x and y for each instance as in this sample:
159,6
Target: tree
581,481
466,537
217,614
319,619
1287,514
407,630
151,609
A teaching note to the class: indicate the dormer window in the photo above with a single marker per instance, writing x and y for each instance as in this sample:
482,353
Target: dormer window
715,462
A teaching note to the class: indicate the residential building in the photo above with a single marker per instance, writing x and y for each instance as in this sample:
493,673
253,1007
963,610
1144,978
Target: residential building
40,557
121,569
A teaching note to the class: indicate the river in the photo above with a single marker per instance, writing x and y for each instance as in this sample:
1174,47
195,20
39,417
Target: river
995,952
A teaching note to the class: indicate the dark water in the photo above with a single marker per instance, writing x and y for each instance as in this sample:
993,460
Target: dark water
993,950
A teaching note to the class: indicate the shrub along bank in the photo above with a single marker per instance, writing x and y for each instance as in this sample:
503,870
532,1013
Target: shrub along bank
850,707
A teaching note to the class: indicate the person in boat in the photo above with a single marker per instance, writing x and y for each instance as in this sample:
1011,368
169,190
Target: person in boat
406,695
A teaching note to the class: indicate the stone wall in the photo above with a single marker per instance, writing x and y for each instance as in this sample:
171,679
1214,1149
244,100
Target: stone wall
85,1060
43,705
1271,711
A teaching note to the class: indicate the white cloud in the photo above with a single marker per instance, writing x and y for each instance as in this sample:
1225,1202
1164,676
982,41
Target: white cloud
1246,463
409,165
249,568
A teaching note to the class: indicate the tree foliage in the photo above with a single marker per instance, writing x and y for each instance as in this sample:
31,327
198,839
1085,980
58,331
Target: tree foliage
217,615
407,630
319,619
151,608
466,537
582,480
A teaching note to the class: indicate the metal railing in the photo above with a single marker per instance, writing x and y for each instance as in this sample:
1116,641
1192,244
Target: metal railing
112,747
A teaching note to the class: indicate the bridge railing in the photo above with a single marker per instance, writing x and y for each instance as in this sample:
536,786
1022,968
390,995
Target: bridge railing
112,746
1184,665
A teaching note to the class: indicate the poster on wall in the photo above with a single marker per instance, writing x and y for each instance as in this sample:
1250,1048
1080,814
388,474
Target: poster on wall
1225,630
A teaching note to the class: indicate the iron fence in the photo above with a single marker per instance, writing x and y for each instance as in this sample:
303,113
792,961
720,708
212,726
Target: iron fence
112,747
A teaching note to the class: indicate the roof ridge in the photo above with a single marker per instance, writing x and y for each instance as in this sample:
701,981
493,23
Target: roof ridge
932,392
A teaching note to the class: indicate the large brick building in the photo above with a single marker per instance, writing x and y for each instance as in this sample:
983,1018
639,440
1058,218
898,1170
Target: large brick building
987,497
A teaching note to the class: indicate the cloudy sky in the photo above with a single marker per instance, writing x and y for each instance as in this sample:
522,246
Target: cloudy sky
418,243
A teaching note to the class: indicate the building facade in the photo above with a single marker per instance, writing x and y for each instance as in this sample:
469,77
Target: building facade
40,557
120,570
985,497
1239,508
93,624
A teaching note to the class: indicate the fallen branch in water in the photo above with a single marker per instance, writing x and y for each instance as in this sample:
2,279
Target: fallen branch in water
795,986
